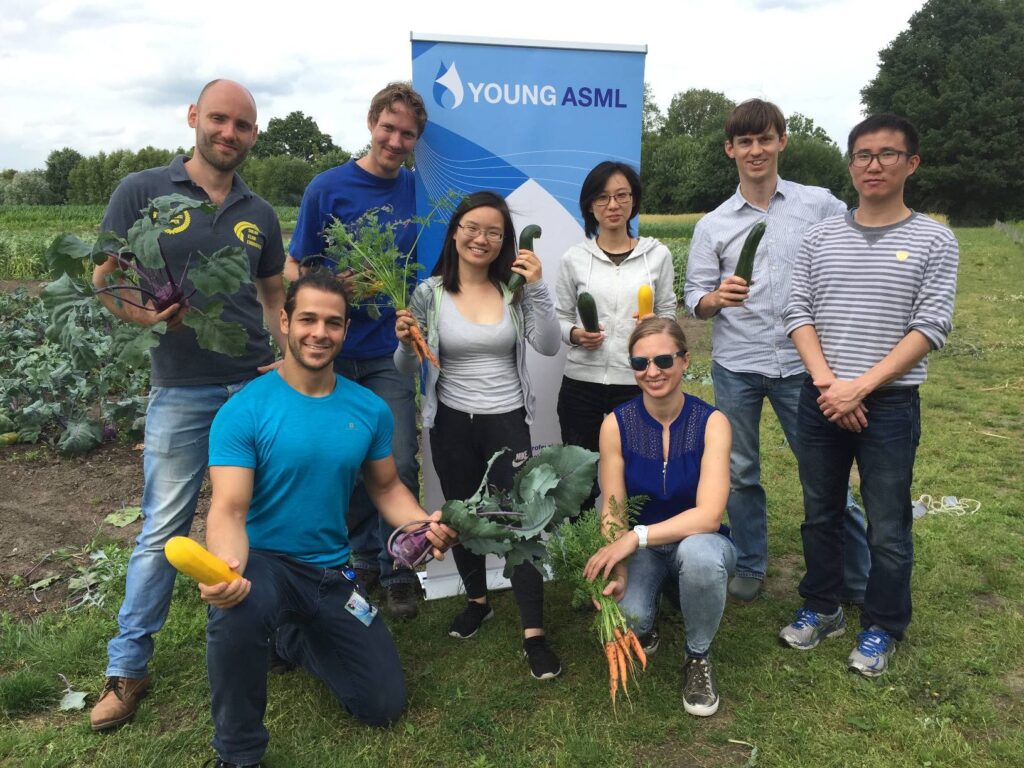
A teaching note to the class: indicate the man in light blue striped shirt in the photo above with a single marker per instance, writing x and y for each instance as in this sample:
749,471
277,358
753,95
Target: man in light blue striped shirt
752,358
872,295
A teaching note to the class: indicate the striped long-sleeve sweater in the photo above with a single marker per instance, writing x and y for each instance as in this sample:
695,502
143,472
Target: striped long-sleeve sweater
864,288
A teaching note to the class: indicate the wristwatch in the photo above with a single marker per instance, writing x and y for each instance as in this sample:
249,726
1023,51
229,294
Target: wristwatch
641,533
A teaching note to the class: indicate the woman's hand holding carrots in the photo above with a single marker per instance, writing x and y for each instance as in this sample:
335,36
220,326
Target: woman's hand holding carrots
607,557
403,321
528,265
408,332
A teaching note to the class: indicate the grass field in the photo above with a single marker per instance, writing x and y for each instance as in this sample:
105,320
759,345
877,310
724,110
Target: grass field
954,695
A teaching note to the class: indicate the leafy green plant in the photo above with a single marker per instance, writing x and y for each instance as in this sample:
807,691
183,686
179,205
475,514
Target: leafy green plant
547,489
144,280
59,396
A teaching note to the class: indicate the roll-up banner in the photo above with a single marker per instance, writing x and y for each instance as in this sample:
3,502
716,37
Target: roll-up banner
527,119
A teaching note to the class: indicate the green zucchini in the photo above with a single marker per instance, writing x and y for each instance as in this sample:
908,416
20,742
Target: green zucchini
526,238
587,308
745,265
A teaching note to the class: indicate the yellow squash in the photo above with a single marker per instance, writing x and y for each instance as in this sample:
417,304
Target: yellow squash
190,558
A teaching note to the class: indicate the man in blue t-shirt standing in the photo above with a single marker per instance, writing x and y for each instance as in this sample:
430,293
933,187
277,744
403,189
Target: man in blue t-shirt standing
378,181
189,384
281,488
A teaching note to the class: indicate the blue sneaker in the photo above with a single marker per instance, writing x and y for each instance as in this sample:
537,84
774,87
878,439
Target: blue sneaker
810,628
871,655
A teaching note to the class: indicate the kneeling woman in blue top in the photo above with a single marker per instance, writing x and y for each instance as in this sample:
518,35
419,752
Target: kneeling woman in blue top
480,400
674,449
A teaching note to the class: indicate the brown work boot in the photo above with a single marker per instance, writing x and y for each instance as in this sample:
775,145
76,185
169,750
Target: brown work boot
118,702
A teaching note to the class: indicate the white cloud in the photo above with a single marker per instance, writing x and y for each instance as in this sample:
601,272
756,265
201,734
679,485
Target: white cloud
101,75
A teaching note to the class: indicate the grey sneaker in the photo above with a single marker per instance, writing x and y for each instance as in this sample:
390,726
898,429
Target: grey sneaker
700,691
650,641
810,628
871,655
744,588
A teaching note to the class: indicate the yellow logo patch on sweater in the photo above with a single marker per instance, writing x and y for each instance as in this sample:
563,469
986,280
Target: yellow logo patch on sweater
902,255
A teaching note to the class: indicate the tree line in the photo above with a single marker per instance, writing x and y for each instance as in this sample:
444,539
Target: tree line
957,72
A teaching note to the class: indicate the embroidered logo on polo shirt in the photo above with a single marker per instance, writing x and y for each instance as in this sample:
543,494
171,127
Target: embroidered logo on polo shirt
178,223
902,255
248,233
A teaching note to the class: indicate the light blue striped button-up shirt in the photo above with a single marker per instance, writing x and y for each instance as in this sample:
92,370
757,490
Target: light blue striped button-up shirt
752,338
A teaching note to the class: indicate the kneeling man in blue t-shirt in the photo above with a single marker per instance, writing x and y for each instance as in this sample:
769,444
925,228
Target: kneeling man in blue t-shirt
285,454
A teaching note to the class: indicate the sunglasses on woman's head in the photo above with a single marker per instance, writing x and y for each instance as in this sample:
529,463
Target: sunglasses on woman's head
662,361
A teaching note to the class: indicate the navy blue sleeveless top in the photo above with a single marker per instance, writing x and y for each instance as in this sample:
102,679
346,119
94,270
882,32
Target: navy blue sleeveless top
671,486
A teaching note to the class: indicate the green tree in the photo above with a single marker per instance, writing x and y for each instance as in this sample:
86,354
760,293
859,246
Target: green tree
280,180
294,135
683,165
957,73
653,120
328,160
28,188
59,165
812,157
93,179
698,112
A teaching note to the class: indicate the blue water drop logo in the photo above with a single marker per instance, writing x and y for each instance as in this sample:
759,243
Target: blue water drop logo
448,91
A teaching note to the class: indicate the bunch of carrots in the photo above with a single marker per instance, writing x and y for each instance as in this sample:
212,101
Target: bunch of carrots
366,251
570,548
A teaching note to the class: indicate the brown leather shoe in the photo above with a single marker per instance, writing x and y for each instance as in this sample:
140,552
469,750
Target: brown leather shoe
118,702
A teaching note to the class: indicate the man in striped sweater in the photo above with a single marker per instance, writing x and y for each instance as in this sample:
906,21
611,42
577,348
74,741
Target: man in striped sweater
872,295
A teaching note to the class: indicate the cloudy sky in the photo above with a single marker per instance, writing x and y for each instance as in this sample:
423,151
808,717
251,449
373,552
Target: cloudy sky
103,75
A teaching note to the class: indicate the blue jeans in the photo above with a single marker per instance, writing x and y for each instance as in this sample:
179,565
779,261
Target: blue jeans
368,531
305,605
884,453
740,397
178,423
695,574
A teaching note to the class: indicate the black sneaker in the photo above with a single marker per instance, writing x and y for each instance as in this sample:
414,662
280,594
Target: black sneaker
400,599
465,625
369,579
279,665
216,762
544,664
649,641
700,691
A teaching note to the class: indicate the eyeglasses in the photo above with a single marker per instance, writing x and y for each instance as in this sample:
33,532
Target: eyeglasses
620,197
885,158
664,362
473,231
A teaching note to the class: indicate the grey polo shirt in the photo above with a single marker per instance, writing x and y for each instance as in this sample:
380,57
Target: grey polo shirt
244,220
751,338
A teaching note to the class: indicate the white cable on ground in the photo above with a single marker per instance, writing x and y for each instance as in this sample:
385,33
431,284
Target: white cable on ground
947,505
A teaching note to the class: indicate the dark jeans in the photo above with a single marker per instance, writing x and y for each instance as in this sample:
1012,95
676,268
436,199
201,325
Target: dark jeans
461,445
368,531
884,453
582,406
305,604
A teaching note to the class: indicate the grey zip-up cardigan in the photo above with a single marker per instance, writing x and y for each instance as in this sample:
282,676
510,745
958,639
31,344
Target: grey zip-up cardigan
533,319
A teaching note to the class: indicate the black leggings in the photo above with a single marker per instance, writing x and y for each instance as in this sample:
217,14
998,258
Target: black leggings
461,445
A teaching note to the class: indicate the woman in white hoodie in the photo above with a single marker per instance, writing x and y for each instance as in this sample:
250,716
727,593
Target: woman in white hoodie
610,265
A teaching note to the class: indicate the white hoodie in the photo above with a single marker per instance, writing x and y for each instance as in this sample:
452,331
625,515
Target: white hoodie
585,267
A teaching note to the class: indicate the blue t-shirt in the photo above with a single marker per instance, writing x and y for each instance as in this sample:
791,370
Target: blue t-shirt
306,453
346,192
671,486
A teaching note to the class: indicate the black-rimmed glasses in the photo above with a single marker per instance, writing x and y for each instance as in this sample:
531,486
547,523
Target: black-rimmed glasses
664,362
886,157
